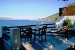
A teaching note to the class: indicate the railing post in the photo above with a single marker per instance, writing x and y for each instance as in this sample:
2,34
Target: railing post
15,38
3,31
37,26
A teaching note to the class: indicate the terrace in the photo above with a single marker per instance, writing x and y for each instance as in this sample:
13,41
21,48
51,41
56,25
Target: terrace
52,42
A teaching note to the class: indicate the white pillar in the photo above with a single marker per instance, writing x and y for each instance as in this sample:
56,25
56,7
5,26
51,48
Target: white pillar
15,38
37,26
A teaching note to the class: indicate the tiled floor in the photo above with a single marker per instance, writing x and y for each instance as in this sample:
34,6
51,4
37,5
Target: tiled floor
47,44
51,42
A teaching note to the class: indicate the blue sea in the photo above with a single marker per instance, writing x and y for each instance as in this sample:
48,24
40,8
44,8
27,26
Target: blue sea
23,22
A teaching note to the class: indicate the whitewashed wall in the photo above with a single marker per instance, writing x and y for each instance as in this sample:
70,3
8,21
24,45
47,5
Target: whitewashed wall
60,20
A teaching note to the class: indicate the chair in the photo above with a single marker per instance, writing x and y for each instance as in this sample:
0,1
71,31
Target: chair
26,33
62,32
41,32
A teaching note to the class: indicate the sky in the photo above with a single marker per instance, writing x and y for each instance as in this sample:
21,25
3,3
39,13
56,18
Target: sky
30,9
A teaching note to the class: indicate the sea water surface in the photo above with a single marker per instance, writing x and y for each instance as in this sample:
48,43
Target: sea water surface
22,23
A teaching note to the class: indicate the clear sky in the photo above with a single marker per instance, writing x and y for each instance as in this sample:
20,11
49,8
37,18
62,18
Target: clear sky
24,9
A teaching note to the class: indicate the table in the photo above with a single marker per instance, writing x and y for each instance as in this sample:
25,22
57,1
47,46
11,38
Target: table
41,33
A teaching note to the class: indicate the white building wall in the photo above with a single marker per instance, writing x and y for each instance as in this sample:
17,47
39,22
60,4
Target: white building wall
62,18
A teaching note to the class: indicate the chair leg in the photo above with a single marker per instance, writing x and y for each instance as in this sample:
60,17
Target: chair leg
41,38
30,39
21,39
25,39
34,38
45,37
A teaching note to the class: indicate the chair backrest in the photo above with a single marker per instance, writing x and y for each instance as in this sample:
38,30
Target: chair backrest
26,32
29,31
44,30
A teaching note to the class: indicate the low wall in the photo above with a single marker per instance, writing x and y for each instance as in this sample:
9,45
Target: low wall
60,20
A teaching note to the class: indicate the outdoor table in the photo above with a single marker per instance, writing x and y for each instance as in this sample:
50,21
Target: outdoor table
39,32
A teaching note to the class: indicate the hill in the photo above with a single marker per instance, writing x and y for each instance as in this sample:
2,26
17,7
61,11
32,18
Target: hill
52,17
72,4
70,8
3,18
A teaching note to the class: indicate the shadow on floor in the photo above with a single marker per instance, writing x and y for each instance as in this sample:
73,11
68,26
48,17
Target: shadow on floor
47,44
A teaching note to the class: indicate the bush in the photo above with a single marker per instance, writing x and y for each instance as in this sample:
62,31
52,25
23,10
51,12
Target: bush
67,23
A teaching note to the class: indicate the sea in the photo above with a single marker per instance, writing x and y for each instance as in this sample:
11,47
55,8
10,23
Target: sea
9,23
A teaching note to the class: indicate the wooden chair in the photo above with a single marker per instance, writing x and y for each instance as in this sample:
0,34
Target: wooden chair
42,32
26,33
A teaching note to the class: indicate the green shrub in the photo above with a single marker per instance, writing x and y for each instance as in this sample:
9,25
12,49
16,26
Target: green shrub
67,23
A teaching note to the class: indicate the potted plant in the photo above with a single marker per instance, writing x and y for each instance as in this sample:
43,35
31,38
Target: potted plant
67,23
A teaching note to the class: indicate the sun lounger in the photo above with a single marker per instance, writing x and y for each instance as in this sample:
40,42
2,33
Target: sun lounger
62,32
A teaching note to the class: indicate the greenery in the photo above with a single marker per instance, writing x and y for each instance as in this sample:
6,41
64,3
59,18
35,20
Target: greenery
72,4
55,16
67,23
52,17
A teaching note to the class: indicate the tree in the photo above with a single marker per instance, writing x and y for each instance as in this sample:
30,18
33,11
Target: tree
67,23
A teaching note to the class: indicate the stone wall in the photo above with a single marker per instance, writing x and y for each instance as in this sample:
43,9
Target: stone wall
68,11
